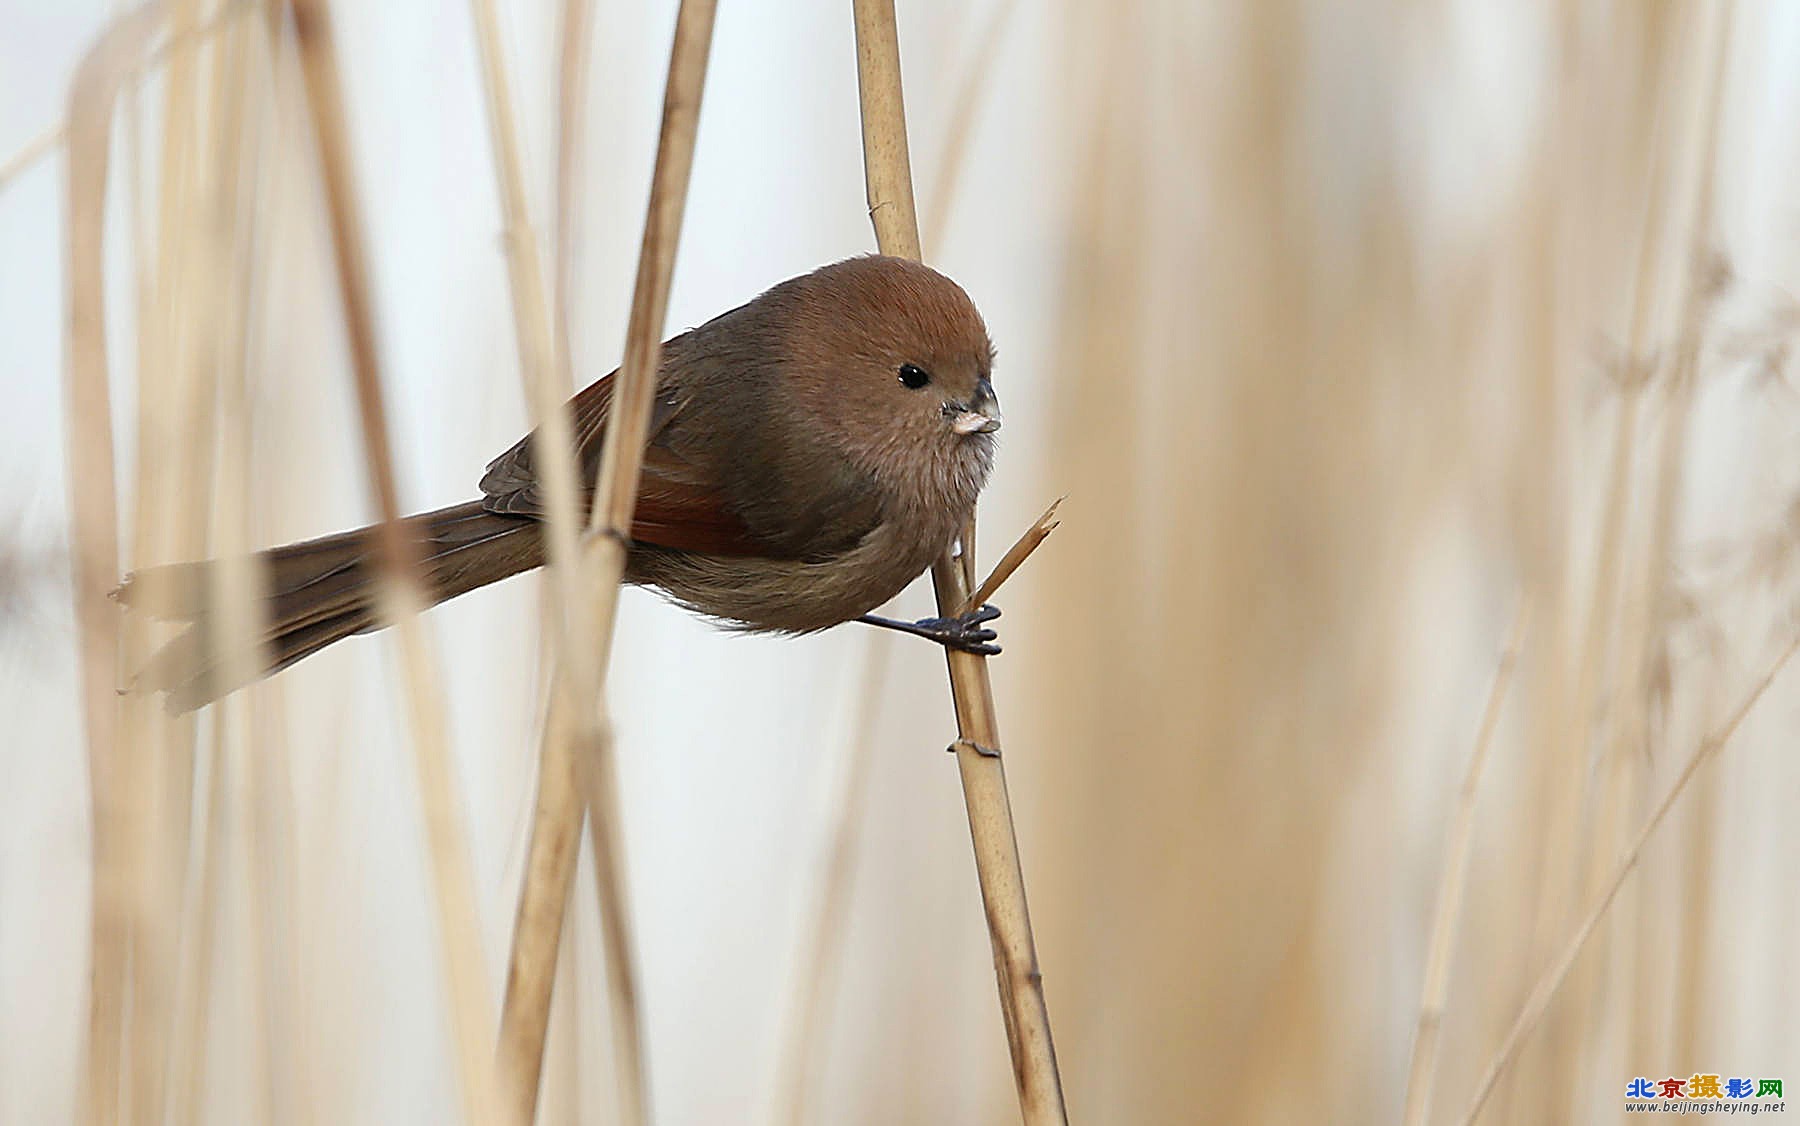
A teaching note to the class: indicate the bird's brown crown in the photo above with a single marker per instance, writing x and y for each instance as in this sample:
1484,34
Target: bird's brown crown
895,357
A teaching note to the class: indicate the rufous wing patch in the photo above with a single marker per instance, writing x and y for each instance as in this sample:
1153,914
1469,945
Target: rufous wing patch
676,507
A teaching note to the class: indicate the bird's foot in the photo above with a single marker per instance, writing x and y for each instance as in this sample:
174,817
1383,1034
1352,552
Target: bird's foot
966,632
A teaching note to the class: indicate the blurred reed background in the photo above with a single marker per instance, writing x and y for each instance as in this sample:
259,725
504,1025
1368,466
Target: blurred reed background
1362,338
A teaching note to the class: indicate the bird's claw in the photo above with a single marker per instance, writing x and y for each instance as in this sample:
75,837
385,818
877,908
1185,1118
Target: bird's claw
965,632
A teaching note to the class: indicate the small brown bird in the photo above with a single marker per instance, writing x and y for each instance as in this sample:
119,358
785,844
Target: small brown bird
809,454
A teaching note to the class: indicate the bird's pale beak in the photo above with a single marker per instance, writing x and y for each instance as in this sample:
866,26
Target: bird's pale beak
982,415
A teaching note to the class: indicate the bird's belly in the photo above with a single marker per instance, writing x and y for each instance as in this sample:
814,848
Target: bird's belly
787,596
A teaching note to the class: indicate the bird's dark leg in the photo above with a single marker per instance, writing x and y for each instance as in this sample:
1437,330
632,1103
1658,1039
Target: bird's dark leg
966,632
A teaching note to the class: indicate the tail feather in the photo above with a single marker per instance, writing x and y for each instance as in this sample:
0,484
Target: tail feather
318,592
193,670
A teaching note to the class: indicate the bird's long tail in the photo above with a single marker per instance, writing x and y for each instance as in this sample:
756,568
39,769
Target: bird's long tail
318,592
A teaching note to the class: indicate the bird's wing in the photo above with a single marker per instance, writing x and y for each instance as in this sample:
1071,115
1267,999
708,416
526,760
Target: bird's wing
679,505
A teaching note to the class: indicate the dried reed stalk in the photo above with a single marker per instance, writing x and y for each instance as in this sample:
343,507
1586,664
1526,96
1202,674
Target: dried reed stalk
57,133
550,863
889,179
193,992
1423,1070
592,603
1621,636
285,1080
571,119
816,966
533,334
818,961
94,541
1651,595
562,830
399,597
1552,979
615,499
31,152
1609,641
1029,541
172,405
218,308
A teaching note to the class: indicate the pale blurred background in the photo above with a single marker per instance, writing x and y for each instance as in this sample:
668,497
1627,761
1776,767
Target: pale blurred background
1349,331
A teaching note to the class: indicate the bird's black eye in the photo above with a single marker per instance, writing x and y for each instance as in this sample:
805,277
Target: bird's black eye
914,376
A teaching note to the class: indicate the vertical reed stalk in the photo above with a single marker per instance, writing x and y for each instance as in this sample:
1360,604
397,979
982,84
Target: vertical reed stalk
1652,595
888,170
580,689
399,598
94,546
615,499
217,308
550,864
172,406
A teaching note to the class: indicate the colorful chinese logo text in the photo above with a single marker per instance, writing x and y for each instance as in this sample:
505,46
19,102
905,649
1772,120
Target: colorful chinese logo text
1699,1086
